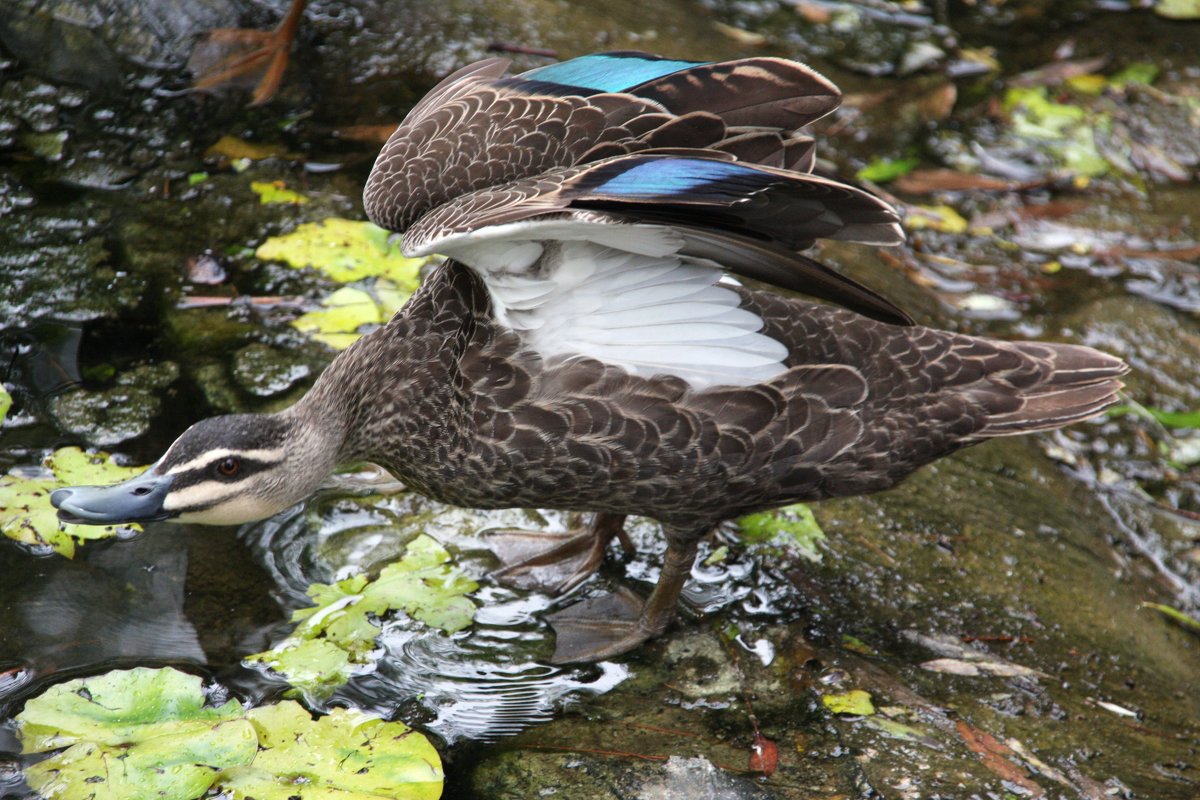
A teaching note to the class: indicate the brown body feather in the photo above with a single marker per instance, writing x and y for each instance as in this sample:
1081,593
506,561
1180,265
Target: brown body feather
473,419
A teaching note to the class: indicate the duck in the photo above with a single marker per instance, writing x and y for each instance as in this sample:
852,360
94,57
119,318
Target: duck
625,324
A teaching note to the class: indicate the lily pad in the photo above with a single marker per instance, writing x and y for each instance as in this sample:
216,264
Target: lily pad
345,250
794,525
337,636
148,733
347,755
132,734
25,511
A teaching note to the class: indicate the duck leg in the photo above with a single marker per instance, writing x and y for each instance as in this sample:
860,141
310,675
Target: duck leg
569,560
230,56
612,624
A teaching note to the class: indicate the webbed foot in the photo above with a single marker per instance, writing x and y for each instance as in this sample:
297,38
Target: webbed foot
612,624
555,562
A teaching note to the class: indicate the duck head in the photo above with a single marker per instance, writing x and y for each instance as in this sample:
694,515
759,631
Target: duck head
221,471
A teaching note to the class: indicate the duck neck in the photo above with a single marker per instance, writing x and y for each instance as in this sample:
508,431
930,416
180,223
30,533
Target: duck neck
394,398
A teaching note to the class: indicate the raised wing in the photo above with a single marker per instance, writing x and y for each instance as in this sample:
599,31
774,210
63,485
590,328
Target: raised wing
747,219
482,128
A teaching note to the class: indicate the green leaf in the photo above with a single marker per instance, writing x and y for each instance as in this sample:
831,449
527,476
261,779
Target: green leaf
345,250
178,766
140,733
855,701
347,755
1175,615
795,525
1067,131
118,708
882,170
1178,9
26,514
1140,72
196,178
337,635
1169,419
276,192
5,403
146,734
342,314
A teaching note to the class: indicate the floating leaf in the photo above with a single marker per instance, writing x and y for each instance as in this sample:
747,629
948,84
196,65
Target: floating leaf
345,250
5,403
337,635
147,733
882,170
195,178
131,734
25,511
794,524
347,755
344,312
276,192
855,701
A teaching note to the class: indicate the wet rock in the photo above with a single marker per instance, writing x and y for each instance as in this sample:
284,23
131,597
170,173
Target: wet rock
86,41
264,371
126,411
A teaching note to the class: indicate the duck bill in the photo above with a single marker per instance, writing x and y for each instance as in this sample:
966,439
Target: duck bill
138,499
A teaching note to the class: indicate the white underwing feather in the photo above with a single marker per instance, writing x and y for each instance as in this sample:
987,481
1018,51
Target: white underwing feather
620,294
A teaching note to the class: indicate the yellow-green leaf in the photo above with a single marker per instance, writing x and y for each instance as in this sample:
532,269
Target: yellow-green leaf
276,192
855,701
26,514
345,250
347,755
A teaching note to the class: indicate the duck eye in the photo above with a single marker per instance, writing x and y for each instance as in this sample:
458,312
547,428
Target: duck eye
229,466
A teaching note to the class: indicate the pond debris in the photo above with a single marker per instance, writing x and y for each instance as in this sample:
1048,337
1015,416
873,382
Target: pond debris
996,756
235,57
958,659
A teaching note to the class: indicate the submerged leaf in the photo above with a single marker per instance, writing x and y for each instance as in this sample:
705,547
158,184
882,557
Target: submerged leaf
25,511
337,635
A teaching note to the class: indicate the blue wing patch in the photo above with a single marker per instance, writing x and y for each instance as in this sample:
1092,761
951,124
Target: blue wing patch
609,72
665,177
